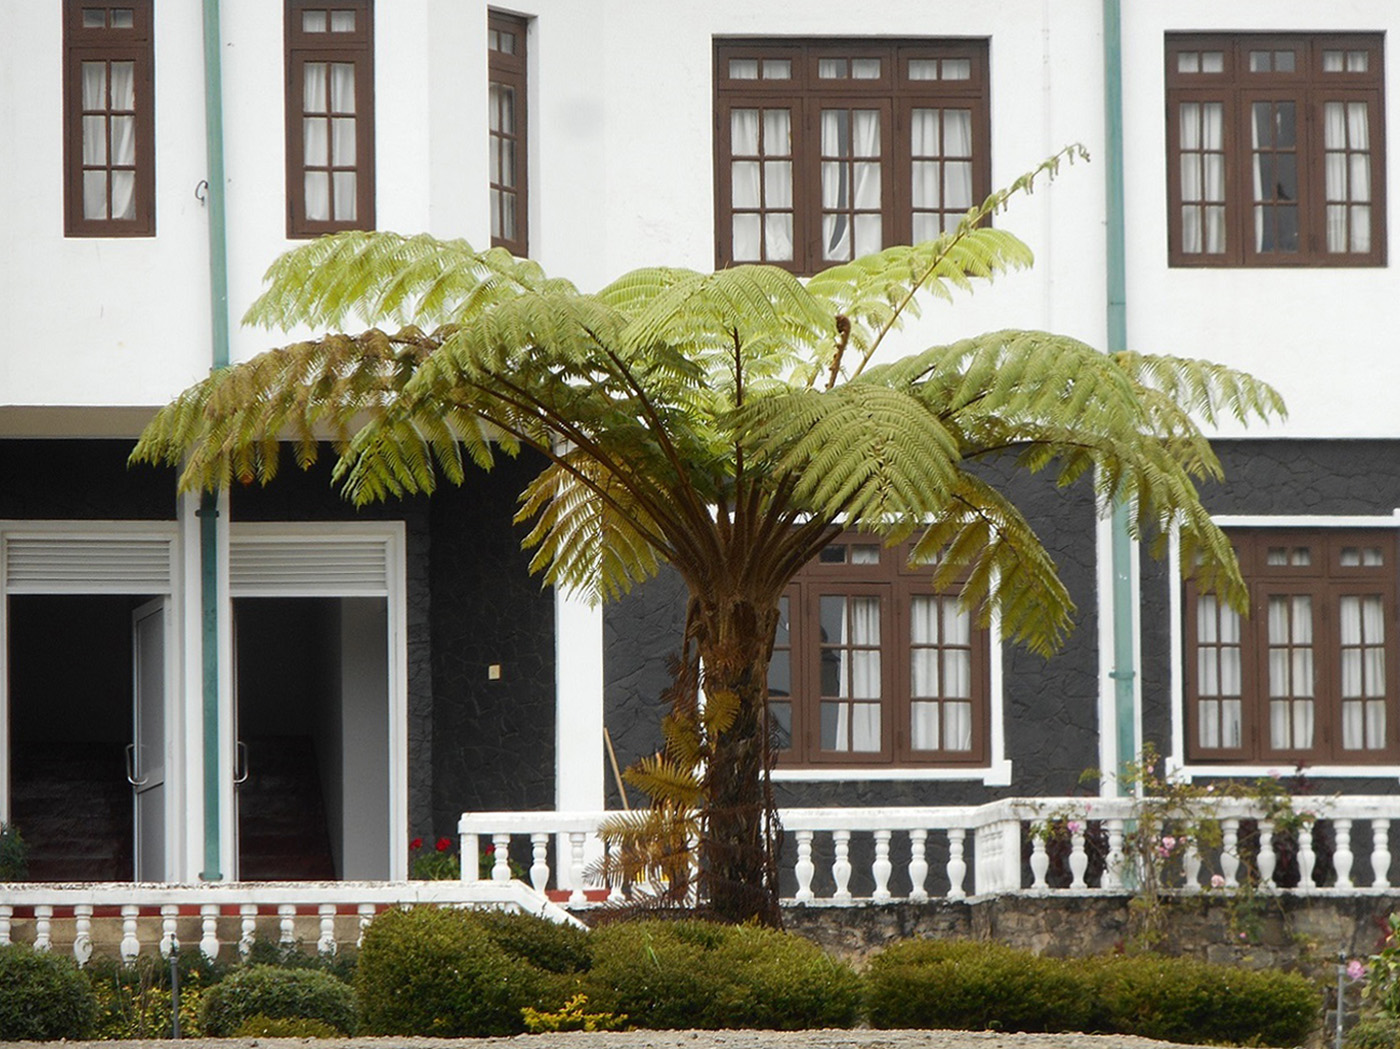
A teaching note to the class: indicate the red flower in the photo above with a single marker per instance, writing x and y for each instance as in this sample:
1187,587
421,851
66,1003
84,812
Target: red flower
490,850
416,843
443,844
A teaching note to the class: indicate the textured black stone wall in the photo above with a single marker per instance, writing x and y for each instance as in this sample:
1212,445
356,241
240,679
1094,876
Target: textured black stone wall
493,741
297,495
81,480
1272,477
1050,706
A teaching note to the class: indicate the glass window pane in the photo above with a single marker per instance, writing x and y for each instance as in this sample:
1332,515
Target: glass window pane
923,726
780,721
780,675
317,187
867,186
343,145
869,234
94,85
743,132
1260,62
314,88
344,22
831,68
777,183
124,195
923,69
957,69
94,18
747,237
1283,62
865,130
777,69
865,727
313,21
345,202
342,87
835,726
865,69
1212,61
1358,61
1332,61
94,140
777,229
744,185
1188,62
743,69
123,140
314,136
777,133
833,619
94,194
958,726
124,86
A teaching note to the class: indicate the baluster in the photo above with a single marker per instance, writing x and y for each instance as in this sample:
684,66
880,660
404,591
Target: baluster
6,914
1229,852
1380,854
169,912
1078,858
43,927
957,866
82,935
209,921
841,867
248,927
1113,870
326,943
1342,857
366,912
1307,859
1268,858
500,870
615,889
576,840
1191,865
471,858
130,946
1040,862
539,869
804,868
881,869
918,865
287,923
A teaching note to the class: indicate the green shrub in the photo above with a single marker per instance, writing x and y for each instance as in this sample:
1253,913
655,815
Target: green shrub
265,951
261,1026
926,983
282,994
1377,1031
975,986
544,944
698,974
134,1000
14,854
438,971
43,996
1182,1000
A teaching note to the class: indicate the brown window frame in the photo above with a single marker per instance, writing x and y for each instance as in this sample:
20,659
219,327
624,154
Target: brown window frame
355,47
108,43
508,70
896,584
1309,86
894,93
1325,581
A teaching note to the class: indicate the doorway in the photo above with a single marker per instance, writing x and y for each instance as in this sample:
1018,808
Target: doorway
312,719
87,706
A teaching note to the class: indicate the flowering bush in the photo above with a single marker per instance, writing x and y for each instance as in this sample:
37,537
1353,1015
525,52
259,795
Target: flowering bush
440,863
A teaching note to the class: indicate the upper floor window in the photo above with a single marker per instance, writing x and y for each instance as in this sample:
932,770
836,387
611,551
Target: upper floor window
1275,150
826,150
109,119
505,41
872,667
1310,675
330,116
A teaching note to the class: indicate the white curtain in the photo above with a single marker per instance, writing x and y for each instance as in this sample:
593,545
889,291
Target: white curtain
852,722
1362,629
1201,136
343,128
1347,141
763,186
315,142
850,182
113,95
957,174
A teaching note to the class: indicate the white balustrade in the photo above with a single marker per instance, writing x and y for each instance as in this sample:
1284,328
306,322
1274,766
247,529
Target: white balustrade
82,933
325,943
1380,854
918,865
1267,859
1341,853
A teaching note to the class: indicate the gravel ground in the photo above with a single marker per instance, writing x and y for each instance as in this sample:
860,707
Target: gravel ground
665,1040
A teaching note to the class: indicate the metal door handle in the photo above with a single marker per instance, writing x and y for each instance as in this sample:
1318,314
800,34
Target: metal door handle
240,762
131,767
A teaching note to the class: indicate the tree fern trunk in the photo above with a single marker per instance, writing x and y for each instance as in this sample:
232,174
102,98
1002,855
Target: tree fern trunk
740,833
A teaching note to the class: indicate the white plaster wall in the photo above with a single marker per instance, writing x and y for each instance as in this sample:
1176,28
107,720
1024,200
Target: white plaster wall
1324,337
621,175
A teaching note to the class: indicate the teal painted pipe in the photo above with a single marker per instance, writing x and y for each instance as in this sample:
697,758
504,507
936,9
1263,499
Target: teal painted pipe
209,505
1124,670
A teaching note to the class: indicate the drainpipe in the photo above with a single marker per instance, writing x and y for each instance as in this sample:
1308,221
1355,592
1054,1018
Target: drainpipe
208,512
1124,672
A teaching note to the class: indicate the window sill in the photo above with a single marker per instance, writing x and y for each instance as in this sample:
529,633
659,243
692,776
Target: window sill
1198,771
998,774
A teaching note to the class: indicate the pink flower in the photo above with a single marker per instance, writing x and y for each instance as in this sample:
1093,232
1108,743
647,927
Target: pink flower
1217,881
1275,774
1356,970
1075,826
1168,842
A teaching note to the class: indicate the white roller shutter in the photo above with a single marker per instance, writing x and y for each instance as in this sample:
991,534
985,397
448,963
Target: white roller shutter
87,564
330,566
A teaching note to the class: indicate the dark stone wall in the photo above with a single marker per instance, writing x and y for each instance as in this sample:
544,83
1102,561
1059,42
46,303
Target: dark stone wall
1339,477
81,480
1050,705
493,741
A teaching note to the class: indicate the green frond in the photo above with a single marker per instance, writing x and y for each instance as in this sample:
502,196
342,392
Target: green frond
668,782
387,276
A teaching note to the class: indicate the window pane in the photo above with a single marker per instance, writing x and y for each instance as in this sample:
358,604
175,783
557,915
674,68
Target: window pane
123,18
314,87
94,194
317,187
747,236
1212,61
777,230
831,68
777,184
957,69
777,69
345,202
94,140
124,195
743,69
780,721
744,184
865,727
957,726
865,69
923,69
777,132
743,132
313,21
124,86
344,22
923,726
314,136
94,18
94,85
342,87
123,140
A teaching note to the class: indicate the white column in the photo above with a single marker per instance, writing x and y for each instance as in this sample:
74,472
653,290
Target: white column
578,721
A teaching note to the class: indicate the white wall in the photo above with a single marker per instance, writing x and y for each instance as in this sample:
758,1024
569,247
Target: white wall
622,175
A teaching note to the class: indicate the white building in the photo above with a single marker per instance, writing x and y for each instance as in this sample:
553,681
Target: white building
406,648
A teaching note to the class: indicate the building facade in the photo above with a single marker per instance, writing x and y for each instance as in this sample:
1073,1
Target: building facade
174,673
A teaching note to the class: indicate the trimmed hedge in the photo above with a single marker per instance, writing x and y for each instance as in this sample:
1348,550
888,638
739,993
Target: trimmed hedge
43,997
278,994
439,971
696,974
971,986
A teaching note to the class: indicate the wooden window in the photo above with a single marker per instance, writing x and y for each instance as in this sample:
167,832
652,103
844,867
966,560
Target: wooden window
871,667
1275,150
1310,675
826,150
506,35
330,116
109,118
